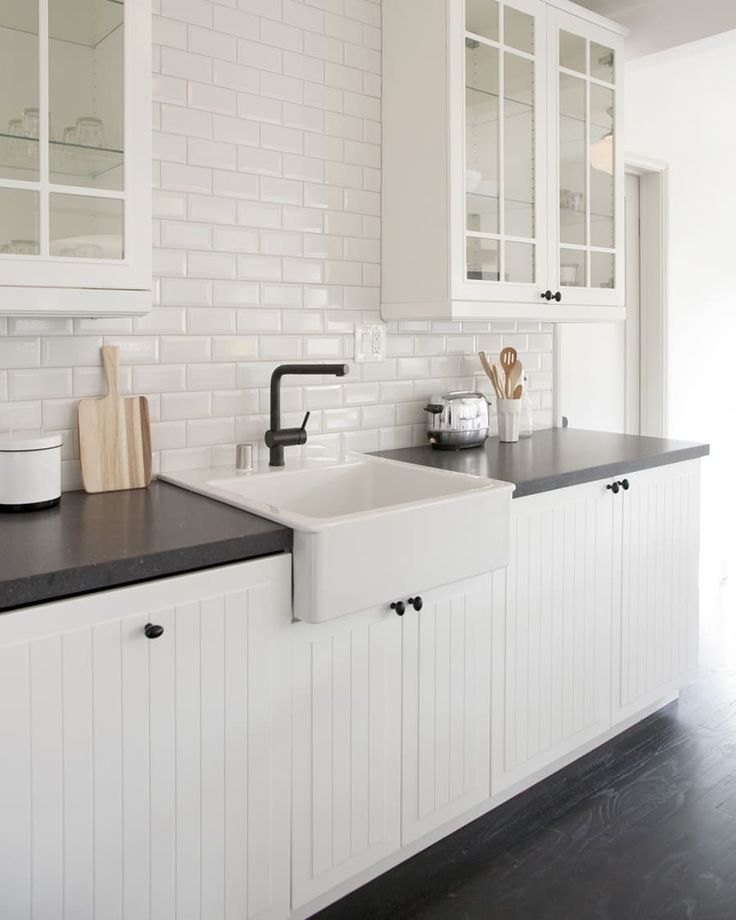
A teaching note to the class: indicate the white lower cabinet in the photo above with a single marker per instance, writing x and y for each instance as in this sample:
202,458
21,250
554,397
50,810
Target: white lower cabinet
346,748
552,638
391,730
446,735
655,638
149,778
600,621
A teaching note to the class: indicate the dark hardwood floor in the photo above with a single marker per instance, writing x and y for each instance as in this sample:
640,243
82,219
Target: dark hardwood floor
642,829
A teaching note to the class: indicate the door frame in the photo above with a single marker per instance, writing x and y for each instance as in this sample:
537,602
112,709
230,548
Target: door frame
653,340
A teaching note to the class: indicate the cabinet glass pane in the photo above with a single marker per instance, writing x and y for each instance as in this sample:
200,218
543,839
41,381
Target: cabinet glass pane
519,146
19,90
18,222
573,160
482,259
572,268
86,96
481,17
518,30
602,62
572,52
602,270
601,166
520,262
482,138
86,228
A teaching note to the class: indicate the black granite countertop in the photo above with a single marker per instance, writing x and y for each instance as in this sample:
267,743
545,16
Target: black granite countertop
91,542
555,458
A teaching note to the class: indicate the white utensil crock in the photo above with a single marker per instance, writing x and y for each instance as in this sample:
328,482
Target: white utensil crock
509,413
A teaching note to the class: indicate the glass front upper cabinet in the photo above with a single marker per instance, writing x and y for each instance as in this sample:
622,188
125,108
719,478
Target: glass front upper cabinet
74,156
504,43
589,205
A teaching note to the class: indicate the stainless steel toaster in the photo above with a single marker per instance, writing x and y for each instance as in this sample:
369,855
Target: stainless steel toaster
457,420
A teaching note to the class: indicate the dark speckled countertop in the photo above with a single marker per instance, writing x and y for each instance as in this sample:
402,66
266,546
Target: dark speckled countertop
555,458
92,542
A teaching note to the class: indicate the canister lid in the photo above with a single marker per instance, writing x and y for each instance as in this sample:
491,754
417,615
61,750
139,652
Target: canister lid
28,440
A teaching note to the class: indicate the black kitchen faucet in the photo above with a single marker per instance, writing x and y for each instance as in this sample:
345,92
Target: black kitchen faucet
277,438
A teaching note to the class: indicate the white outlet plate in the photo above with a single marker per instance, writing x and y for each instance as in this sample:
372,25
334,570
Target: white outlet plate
370,342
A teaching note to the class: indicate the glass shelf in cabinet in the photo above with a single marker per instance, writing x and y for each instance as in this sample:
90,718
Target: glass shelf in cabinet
82,161
18,153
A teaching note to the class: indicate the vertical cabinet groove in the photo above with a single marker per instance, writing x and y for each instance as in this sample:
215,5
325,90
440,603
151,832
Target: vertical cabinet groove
149,780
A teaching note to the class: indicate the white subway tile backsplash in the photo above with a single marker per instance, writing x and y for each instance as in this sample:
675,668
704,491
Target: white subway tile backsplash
267,236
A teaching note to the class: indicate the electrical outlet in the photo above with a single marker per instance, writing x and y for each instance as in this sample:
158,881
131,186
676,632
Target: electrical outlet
370,342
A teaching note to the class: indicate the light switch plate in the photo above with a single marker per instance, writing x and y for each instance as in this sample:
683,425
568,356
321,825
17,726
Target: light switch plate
370,342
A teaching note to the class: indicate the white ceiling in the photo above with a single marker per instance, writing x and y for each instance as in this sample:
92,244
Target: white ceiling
659,24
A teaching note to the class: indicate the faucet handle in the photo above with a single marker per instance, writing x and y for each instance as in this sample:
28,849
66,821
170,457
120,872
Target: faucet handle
304,423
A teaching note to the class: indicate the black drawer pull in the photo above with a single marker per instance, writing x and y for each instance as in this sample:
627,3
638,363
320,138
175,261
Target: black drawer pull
153,631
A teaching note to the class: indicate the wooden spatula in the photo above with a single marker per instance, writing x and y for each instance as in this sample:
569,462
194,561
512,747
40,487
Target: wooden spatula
114,436
508,360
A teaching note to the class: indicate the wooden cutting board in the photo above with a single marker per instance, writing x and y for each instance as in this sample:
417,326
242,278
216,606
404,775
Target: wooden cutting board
114,436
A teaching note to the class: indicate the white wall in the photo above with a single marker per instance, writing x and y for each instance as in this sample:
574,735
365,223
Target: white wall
267,152
680,108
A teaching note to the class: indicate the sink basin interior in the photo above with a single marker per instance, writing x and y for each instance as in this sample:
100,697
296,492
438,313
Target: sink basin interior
347,489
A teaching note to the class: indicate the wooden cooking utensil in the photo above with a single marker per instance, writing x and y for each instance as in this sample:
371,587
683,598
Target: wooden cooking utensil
508,359
518,391
114,436
514,376
490,373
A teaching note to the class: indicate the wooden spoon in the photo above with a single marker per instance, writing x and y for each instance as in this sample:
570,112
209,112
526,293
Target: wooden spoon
518,391
496,378
508,360
514,377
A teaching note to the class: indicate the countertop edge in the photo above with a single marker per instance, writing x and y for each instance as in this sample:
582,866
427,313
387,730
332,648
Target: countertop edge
602,471
32,590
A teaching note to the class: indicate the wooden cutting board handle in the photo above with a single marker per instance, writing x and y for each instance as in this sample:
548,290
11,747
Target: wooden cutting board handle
110,360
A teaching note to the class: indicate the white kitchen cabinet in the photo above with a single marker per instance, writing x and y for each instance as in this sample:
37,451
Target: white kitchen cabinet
75,157
656,622
147,778
502,161
346,776
600,622
391,730
446,734
552,638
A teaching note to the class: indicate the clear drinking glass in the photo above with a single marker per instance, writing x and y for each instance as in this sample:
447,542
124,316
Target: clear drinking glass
89,131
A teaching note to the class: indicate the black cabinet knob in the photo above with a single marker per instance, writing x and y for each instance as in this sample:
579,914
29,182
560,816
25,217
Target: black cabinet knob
558,296
153,631
614,487
625,484
399,607
547,295
417,603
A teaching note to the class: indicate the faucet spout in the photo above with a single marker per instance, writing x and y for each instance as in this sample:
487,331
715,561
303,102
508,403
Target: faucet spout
277,438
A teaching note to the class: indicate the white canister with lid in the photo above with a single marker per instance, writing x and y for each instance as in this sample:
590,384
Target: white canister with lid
30,470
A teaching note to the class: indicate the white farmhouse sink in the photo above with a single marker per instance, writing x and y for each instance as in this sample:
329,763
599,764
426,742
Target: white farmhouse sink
369,530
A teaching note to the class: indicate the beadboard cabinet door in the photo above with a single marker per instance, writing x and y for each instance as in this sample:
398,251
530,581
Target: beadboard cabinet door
656,627
552,638
346,748
446,705
148,778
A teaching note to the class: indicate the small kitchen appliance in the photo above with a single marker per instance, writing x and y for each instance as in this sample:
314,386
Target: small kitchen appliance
30,470
457,420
